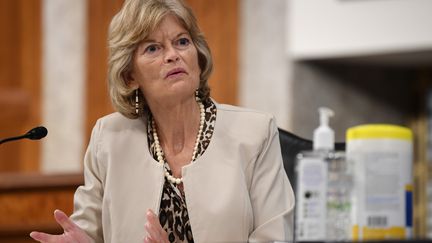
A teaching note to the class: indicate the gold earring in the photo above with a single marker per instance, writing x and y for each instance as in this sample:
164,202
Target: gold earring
136,102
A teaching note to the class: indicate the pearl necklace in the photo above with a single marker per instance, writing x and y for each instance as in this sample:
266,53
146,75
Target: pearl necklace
159,152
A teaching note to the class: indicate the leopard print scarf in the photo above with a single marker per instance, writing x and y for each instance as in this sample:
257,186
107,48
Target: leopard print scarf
173,214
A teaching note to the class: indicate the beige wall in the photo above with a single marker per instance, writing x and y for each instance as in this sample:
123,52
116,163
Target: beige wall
328,28
264,67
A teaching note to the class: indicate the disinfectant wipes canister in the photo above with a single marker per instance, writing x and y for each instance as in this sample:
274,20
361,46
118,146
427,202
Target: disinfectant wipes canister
381,157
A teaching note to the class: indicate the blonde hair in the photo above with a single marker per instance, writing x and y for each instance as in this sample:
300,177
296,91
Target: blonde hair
135,22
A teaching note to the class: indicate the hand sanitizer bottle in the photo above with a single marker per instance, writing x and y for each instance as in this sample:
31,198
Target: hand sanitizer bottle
323,188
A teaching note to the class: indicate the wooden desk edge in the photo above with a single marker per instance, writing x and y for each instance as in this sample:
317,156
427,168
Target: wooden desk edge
37,181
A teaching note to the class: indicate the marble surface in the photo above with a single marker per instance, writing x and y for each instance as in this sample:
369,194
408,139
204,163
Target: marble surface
64,38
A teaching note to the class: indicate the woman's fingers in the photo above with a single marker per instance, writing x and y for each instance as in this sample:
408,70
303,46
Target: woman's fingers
154,220
43,237
155,231
153,234
64,220
147,239
72,233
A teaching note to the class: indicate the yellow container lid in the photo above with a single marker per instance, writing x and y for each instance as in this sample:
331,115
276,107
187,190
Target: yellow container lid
377,131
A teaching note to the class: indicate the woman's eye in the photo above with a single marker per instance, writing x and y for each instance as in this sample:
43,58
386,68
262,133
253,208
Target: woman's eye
183,42
151,49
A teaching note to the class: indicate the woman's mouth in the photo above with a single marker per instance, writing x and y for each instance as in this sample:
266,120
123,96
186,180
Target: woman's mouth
175,72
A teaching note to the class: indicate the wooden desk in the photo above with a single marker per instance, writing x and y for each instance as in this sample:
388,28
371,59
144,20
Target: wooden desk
27,202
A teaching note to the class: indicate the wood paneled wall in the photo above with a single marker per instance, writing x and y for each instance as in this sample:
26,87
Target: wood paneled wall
218,19
20,67
100,13
27,203
20,98
20,78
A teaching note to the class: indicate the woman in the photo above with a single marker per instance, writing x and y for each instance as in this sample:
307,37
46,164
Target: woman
172,165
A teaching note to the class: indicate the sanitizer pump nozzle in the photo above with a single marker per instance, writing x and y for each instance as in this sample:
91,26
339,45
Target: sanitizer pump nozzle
323,138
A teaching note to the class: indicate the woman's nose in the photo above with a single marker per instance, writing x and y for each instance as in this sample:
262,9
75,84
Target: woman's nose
171,55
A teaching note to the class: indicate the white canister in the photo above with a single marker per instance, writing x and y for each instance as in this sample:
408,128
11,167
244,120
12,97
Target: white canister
381,157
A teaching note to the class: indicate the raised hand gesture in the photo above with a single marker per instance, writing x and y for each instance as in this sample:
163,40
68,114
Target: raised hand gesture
72,233
155,232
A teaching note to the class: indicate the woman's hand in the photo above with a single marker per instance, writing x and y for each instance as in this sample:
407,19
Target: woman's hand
155,232
72,233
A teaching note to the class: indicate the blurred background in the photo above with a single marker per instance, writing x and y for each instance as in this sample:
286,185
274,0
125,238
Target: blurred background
368,60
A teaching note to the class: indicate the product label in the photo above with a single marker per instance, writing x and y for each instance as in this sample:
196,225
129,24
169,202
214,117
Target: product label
383,208
311,199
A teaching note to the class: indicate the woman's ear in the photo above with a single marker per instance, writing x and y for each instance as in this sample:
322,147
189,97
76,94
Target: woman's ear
130,80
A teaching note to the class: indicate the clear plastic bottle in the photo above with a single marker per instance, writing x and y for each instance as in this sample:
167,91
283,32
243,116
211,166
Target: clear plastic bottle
324,185
339,188
311,177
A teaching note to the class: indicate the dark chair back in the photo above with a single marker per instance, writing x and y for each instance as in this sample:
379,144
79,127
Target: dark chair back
291,145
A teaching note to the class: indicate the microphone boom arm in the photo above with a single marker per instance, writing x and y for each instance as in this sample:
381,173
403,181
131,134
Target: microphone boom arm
13,138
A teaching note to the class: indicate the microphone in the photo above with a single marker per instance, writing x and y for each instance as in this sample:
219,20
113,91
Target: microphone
34,134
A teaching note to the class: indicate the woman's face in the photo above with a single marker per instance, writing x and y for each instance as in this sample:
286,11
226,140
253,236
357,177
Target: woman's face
166,64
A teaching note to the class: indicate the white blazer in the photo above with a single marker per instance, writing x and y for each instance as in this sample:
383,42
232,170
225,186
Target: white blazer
237,191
